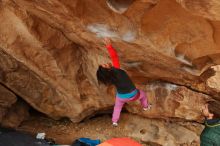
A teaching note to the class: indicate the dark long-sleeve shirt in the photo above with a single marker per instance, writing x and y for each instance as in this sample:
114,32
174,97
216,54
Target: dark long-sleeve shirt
123,83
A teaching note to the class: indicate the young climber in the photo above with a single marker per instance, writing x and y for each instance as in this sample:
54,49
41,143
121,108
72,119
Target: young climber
210,136
112,74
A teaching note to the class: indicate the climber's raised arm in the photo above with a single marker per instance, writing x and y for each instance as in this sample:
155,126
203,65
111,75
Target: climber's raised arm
112,52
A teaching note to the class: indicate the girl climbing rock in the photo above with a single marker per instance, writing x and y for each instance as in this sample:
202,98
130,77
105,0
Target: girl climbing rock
109,74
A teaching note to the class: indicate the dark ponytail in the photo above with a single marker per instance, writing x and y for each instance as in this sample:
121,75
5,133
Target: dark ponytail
105,75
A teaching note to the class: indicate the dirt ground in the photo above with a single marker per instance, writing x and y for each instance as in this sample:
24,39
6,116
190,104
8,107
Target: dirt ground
100,127
65,132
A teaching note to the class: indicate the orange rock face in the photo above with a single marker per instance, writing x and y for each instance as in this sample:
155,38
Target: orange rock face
50,51
209,9
7,99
